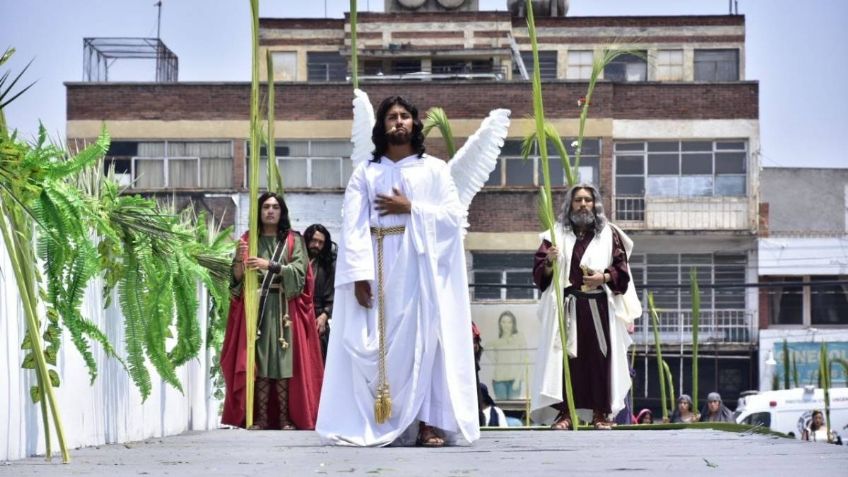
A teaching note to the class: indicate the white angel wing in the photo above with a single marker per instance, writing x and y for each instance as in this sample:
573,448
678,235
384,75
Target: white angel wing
363,123
475,160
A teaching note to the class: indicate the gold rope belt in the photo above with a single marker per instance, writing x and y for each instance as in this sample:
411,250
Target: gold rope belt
383,403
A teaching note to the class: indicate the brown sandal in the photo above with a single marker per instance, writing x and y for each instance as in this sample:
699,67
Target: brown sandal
562,422
599,422
428,437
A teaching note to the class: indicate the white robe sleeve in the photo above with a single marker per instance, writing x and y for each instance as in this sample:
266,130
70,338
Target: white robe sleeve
355,260
439,222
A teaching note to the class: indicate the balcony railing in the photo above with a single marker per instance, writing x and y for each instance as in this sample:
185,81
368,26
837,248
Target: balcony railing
683,213
716,326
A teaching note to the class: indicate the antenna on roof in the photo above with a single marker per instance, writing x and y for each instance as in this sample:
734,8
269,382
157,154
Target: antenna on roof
158,5
733,7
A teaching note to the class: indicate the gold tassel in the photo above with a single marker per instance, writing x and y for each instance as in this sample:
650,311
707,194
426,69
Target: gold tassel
383,405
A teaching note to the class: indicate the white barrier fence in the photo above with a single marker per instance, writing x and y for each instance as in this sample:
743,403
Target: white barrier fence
108,411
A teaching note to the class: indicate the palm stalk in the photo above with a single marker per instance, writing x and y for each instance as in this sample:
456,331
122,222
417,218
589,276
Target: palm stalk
632,368
670,383
658,345
354,54
14,226
437,118
546,203
17,231
251,285
785,364
696,322
795,375
824,367
275,181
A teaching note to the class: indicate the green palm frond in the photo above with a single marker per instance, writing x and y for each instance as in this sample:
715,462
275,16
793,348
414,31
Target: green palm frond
275,180
696,324
546,214
795,376
6,91
437,118
785,364
824,367
539,116
658,346
669,379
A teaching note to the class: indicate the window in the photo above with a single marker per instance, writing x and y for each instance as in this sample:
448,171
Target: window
627,68
325,66
663,272
513,269
182,165
786,303
513,170
759,419
818,300
402,67
680,169
828,303
580,64
716,65
669,65
285,65
310,164
547,64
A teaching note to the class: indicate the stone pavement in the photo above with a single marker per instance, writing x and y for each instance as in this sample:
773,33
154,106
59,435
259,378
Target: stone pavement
231,452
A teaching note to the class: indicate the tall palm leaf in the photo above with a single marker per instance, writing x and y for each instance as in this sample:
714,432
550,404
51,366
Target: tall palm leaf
546,205
275,181
696,322
658,348
251,305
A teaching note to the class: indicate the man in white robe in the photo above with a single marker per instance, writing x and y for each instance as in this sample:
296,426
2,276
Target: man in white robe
600,304
429,360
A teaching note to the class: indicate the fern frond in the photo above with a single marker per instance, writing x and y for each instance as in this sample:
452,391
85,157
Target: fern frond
129,294
160,312
188,329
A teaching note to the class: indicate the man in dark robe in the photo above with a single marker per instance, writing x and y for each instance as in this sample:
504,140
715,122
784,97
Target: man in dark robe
600,305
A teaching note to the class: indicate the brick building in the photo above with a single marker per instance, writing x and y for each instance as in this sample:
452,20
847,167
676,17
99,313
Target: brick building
671,142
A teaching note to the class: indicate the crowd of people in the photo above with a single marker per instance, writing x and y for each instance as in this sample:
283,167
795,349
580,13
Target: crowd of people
369,340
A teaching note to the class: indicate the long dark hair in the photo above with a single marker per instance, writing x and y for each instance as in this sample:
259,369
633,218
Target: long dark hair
378,134
325,256
514,330
285,224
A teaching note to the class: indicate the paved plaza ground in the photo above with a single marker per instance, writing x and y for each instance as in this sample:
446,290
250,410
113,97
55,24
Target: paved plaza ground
232,452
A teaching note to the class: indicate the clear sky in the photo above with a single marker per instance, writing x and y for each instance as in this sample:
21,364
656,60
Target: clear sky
796,49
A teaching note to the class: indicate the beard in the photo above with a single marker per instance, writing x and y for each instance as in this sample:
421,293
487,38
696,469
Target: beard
313,252
582,218
398,137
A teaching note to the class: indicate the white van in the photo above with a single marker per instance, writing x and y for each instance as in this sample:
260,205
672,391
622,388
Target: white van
789,410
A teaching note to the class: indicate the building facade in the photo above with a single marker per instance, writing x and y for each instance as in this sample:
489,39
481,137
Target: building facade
671,142
803,269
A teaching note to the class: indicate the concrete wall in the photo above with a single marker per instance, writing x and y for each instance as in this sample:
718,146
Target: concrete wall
814,201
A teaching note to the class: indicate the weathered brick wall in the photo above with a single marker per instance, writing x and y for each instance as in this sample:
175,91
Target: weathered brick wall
328,101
